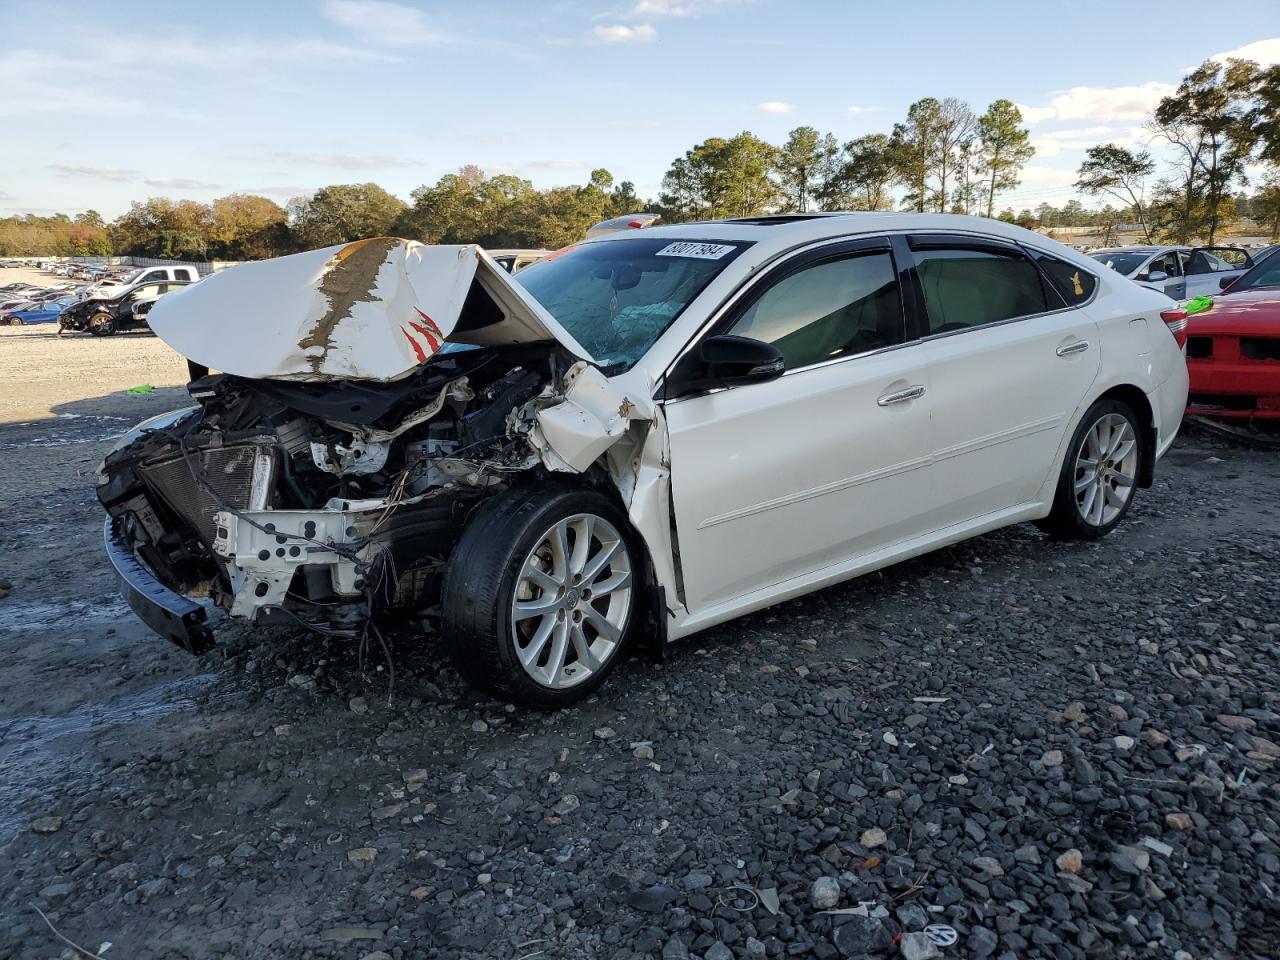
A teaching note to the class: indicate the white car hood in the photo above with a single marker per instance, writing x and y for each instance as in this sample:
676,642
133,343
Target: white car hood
369,310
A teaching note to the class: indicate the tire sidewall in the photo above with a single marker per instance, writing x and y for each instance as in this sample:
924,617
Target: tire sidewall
105,329
1066,497
560,502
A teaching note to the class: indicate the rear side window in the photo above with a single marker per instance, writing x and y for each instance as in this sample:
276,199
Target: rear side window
972,287
832,309
1074,285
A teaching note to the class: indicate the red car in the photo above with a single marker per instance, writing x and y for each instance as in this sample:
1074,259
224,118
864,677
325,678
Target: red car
1233,349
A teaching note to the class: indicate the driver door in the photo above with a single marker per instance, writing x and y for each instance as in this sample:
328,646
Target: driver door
775,480
1174,283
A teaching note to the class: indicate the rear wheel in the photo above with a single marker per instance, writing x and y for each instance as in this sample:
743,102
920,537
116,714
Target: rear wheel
102,325
1099,475
541,594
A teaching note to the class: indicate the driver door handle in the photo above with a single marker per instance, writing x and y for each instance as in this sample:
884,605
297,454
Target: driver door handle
901,396
1070,349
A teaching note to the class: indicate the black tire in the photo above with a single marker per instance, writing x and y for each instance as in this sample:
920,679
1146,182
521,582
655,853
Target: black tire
483,574
15,322
102,325
1065,520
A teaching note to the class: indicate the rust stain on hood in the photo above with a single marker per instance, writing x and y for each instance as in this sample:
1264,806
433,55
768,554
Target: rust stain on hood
349,278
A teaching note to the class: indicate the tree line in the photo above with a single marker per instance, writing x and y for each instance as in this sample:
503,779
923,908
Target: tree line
943,157
1222,118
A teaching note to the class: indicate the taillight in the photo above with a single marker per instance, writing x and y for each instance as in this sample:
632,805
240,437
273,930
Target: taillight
1176,321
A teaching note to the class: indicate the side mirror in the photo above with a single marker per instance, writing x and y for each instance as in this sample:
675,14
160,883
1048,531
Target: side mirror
1226,282
1157,276
726,361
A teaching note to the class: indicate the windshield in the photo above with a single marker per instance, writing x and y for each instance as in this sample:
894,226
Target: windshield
1265,274
1122,263
617,297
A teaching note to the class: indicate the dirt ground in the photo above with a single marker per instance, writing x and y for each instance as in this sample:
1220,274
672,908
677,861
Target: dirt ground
278,798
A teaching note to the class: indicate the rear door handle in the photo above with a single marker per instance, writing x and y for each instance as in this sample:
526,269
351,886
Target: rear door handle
901,396
1070,349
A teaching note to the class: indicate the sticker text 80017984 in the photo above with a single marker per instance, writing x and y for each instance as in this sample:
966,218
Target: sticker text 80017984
695,249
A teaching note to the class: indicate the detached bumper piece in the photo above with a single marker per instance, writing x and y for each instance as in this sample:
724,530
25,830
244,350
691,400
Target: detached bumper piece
179,620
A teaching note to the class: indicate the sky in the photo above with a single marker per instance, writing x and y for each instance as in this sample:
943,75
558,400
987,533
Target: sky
104,103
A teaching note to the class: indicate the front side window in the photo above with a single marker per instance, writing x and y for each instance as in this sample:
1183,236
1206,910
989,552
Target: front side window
148,292
1166,263
1074,285
616,297
966,288
832,309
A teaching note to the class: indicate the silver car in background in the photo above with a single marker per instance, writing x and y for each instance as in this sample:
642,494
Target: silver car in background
1178,272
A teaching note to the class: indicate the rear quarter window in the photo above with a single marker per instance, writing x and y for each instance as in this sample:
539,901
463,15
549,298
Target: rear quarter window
1074,284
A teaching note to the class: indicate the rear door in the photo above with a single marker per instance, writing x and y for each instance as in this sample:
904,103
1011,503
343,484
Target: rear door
1207,267
1010,359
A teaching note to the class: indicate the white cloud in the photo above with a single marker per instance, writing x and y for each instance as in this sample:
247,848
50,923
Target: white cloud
857,110
1033,115
346,161
1052,143
621,33
555,166
96,173
1133,102
381,21
775,106
1264,52
676,8
180,183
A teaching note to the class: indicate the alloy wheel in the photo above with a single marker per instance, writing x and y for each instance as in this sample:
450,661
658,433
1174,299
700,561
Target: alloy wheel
572,601
1106,469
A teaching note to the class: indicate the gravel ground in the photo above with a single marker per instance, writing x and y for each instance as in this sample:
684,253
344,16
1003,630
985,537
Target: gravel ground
1058,750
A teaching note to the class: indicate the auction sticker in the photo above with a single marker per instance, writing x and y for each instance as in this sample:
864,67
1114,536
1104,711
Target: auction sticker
699,251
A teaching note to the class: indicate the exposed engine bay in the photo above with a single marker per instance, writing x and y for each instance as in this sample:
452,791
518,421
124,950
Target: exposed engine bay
336,504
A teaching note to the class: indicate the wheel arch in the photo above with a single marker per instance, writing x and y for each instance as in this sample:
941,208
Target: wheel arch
654,640
1136,398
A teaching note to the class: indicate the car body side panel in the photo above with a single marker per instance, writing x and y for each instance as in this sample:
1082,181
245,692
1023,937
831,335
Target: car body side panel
773,480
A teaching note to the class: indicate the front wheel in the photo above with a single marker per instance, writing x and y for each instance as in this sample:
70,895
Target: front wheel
102,325
1099,475
15,322
541,594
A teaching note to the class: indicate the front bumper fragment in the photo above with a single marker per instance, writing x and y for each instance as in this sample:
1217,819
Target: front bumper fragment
173,616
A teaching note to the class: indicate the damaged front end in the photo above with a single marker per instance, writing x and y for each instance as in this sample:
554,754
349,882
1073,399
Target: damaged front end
321,495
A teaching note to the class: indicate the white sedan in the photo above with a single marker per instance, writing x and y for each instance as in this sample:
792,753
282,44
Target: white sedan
1178,272
636,438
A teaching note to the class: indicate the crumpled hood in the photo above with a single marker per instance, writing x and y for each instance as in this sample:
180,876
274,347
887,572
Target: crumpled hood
369,310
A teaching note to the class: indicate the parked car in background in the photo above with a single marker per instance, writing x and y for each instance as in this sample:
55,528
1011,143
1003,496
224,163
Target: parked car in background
1233,349
15,303
1178,272
46,311
52,293
630,221
115,284
118,309
637,438
514,261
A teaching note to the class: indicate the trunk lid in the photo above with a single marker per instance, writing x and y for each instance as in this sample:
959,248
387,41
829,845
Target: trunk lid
369,310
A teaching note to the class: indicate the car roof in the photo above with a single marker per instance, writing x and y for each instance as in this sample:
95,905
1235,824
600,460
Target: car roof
789,230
